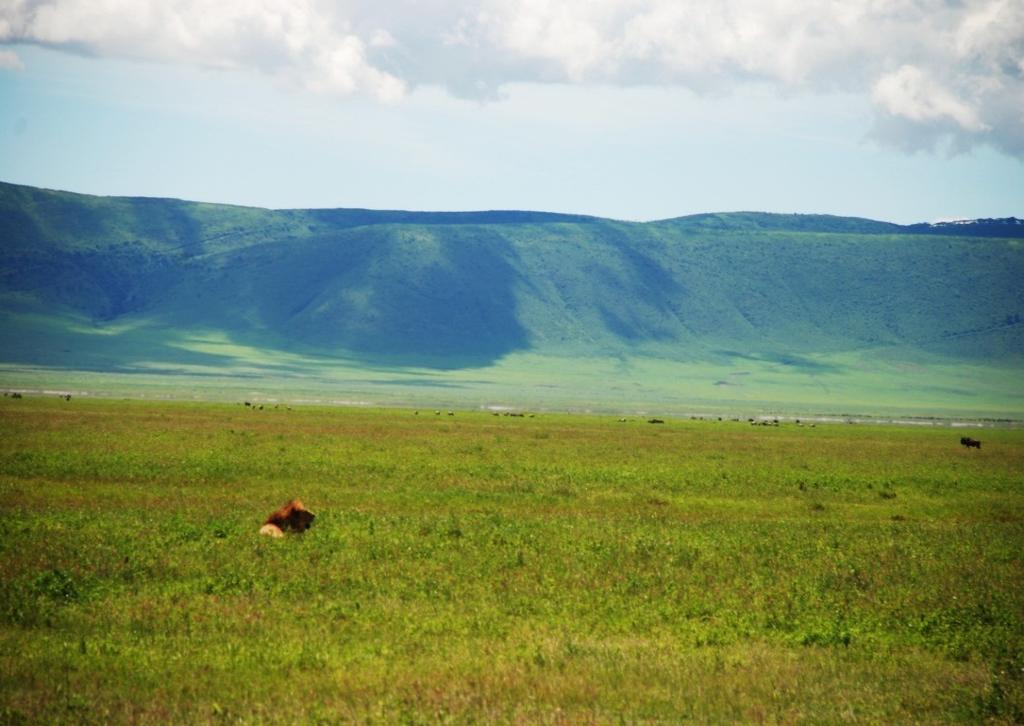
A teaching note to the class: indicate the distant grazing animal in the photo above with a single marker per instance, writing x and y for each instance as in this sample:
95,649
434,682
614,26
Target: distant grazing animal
655,420
293,516
970,443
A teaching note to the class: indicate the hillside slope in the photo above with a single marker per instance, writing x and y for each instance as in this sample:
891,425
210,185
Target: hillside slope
103,283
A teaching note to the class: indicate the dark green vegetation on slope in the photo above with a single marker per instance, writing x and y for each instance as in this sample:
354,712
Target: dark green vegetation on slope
490,569
122,284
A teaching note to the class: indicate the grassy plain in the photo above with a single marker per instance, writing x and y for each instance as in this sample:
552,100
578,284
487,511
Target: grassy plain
485,568
867,383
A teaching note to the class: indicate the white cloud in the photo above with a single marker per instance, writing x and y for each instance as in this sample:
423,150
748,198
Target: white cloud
936,70
912,94
303,41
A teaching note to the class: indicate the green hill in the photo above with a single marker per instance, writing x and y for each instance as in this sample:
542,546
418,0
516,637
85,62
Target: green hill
500,302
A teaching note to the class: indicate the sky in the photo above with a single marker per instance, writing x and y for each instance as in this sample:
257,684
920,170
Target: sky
899,110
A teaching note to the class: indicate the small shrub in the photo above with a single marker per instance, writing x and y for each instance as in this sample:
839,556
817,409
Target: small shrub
836,635
56,585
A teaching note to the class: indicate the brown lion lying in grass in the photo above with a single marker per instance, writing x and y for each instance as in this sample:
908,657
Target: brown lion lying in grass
293,516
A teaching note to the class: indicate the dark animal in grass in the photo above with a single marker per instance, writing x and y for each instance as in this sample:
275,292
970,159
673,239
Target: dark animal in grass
292,517
655,420
970,443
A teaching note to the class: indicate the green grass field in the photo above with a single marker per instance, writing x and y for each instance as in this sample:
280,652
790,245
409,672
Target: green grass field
556,569
870,383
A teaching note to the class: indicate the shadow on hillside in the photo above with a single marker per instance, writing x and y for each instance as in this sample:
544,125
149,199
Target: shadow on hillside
642,296
807,365
69,342
428,298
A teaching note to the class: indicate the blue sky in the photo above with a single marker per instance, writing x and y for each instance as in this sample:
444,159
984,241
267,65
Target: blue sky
614,113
